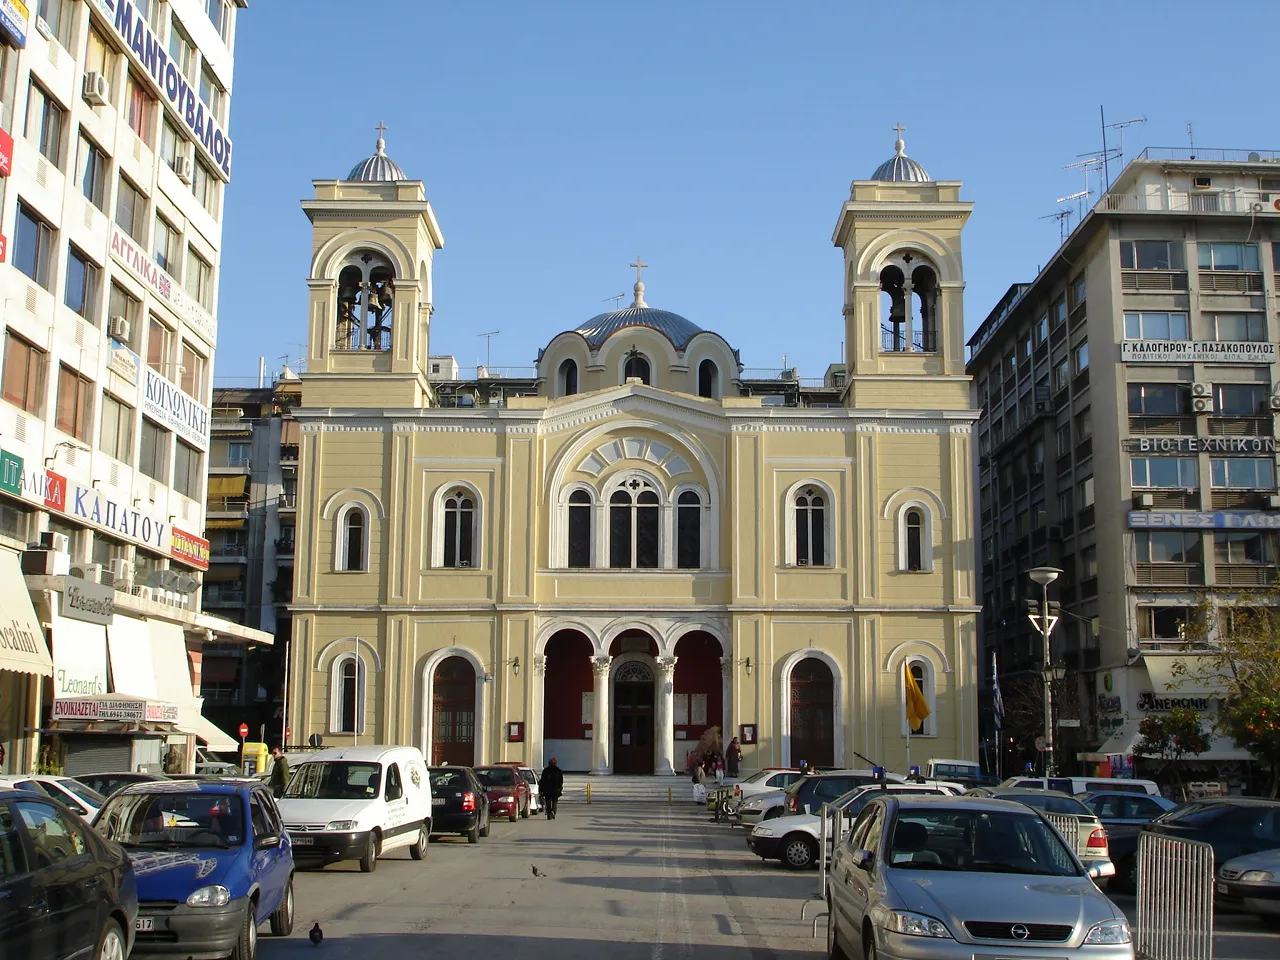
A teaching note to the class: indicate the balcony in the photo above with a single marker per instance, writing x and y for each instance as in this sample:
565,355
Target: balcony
227,506
895,341
1163,426
1241,499
229,552
1169,574
288,453
1241,426
229,465
1180,201
284,547
287,502
1230,281
1153,281
1244,574
216,596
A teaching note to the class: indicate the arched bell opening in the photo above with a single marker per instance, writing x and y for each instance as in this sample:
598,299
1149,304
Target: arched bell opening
366,304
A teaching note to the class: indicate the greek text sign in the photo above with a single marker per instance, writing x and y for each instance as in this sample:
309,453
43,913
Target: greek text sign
1203,520
120,711
1197,351
146,50
123,520
189,548
1243,446
164,402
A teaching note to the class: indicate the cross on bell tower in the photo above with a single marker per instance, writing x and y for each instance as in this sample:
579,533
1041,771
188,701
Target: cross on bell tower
639,287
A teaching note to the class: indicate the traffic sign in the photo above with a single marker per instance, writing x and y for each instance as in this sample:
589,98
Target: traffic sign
1042,744
244,731
1064,722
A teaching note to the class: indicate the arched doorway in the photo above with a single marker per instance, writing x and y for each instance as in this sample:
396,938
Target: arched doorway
453,713
567,700
697,699
633,702
812,713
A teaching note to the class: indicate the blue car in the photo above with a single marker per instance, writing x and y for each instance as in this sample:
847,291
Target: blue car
212,860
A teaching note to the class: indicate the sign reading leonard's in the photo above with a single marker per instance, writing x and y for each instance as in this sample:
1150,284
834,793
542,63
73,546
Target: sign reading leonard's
88,601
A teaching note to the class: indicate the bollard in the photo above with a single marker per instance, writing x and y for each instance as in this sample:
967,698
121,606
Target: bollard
588,793
668,796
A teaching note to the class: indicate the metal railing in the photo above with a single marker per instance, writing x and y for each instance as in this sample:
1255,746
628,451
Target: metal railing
1068,827
1169,574
227,505
895,341
287,501
223,598
1208,154
1230,281
1175,899
1177,201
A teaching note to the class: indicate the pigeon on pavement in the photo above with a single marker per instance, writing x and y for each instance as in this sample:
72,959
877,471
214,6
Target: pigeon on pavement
536,871
316,935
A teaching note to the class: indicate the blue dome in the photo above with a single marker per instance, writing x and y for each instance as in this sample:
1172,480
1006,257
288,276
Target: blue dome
900,168
671,325
378,168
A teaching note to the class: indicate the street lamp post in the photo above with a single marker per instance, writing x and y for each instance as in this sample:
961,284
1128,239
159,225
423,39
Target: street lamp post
1045,576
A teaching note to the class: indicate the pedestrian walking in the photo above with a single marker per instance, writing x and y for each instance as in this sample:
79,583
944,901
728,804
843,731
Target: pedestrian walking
733,757
550,786
279,773
719,770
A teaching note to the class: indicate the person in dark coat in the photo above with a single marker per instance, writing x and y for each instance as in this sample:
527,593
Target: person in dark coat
550,786
733,757
279,773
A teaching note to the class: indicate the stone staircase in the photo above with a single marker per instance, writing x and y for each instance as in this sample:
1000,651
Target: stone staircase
622,789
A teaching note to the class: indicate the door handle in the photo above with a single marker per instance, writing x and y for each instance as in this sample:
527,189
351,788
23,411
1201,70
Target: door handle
38,906
92,883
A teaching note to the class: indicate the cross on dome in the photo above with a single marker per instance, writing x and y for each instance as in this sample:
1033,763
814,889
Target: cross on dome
639,287
382,143
899,145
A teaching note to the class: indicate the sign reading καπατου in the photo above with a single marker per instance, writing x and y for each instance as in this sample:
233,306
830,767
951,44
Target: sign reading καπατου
1197,351
185,416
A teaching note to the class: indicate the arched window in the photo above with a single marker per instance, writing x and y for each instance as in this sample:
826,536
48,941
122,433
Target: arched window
459,529
689,531
922,671
633,526
708,379
353,540
637,366
568,378
913,524
580,529
347,700
811,528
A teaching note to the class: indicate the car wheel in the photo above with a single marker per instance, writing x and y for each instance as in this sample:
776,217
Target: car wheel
110,942
869,951
246,947
369,862
515,815
419,850
484,831
282,919
799,852
524,813
772,813
834,950
1126,877
473,835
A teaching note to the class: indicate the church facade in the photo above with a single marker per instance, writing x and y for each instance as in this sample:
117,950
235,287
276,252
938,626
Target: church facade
641,548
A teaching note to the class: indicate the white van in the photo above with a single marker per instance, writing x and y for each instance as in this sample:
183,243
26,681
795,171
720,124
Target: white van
356,803
1075,785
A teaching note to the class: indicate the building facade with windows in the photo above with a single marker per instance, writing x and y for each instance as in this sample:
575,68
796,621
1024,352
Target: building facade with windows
640,541
113,163
1127,437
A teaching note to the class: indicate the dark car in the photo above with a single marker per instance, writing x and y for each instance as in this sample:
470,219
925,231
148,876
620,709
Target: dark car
1233,826
108,783
1123,814
809,793
64,890
459,803
213,862
508,793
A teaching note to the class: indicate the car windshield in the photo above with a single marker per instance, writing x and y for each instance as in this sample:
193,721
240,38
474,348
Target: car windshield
528,777
950,771
448,779
334,780
978,841
1051,804
170,819
91,797
497,776
853,802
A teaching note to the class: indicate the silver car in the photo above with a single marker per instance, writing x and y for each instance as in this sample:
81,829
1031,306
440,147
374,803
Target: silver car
1252,883
959,877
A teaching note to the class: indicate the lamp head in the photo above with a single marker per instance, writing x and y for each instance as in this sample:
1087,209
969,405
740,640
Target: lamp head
1044,575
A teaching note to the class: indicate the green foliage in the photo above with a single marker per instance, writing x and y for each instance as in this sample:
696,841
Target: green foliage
1172,737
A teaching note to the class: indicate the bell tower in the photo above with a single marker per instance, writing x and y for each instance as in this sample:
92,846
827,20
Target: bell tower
374,239
903,288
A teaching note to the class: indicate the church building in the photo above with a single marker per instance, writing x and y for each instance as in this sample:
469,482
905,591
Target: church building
644,545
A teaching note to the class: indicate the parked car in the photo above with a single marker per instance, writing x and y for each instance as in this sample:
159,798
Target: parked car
795,839
459,803
531,778
731,796
1072,818
1252,883
64,890
1234,826
959,771
67,791
1123,814
809,793
210,763
108,783
761,807
1074,785
946,877
357,803
213,862
508,792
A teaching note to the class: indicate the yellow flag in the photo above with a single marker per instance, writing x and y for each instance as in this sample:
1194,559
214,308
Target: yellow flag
917,707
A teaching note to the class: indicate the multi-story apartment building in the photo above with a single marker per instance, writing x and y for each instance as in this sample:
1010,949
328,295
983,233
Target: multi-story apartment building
251,512
1129,397
113,164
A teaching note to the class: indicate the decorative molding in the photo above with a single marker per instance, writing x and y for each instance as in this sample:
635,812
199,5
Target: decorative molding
900,653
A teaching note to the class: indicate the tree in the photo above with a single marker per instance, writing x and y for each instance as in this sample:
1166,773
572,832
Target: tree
1172,737
1236,653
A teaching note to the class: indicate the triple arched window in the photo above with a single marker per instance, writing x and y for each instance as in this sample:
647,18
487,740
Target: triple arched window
634,526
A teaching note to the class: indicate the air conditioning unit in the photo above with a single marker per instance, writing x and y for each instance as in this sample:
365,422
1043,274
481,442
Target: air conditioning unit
1202,389
118,329
143,593
1144,501
121,573
1275,402
57,542
1273,501
96,90
88,571
1202,405
182,167
1202,183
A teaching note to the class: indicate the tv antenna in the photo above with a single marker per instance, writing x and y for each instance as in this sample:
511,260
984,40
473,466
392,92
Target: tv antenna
1091,163
615,299
488,344
1064,219
1113,153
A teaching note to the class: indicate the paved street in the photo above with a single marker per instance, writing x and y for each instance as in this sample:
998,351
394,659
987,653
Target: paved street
634,880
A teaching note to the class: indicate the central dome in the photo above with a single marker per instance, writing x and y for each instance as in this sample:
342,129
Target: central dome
900,168
671,325
377,169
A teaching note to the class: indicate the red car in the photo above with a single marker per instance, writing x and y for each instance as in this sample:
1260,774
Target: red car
508,793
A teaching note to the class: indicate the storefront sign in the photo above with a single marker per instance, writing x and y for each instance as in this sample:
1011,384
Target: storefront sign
6,141
1152,703
146,50
164,402
1109,704
119,711
88,601
1197,351
54,489
145,270
162,713
189,548
1244,446
96,508
14,17
124,362
1197,520
10,473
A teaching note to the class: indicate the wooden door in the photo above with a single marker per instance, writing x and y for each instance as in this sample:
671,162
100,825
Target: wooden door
812,713
633,699
453,713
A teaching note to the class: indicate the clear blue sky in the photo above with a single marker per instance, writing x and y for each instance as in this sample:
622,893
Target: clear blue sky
558,140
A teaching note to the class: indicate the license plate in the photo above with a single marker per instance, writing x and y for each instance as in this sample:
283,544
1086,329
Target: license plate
143,923
437,801
1222,888
303,841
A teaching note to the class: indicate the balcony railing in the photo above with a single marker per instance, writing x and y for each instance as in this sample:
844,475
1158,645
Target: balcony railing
1170,574
895,341
230,463
1230,281
1162,426
220,550
288,501
236,505
219,597
1244,574
1153,281
1240,426
1180,201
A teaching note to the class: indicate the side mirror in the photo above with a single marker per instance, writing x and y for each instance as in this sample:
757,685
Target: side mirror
1101,869
266,843
864,860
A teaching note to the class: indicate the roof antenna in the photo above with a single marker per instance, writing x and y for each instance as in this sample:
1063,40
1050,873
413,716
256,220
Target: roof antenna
1191,138
615,299
1114,153
488,345
1064,219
